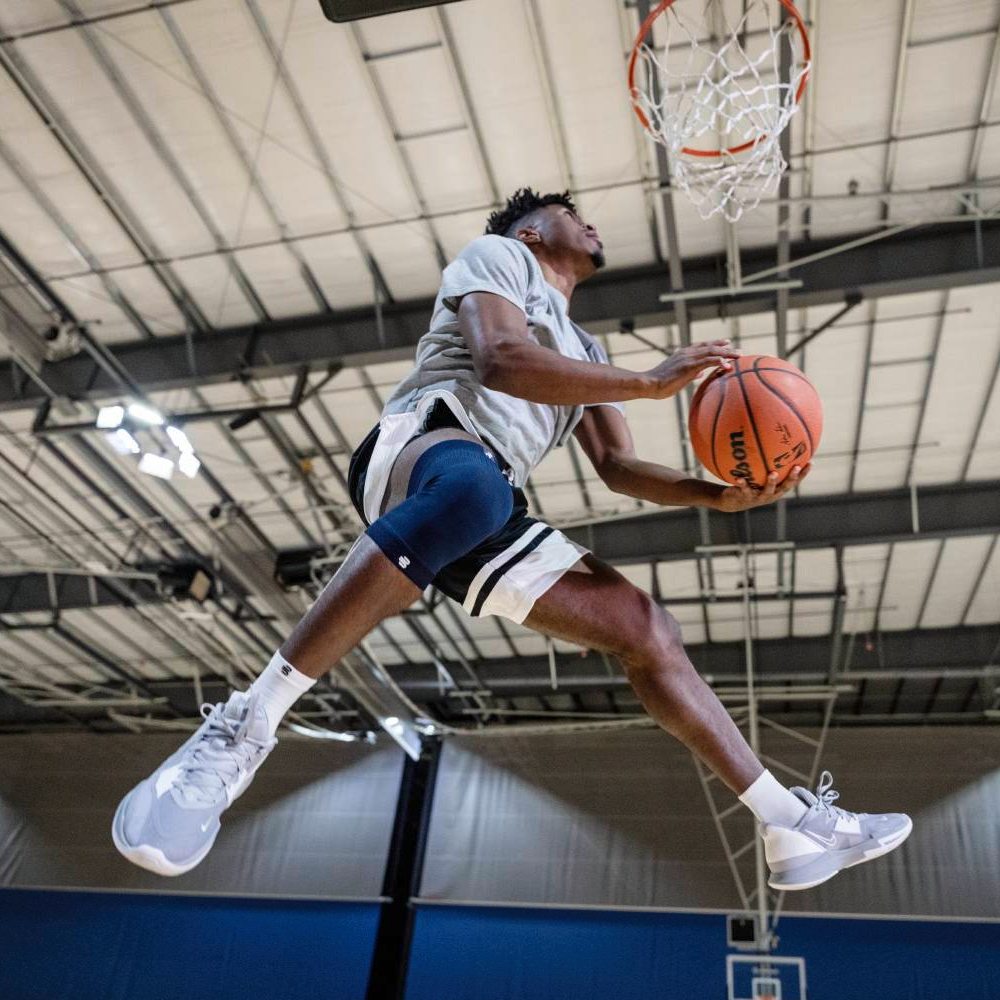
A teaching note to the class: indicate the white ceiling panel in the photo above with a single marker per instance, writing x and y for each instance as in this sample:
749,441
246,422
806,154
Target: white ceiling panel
448,171
985,462
864,567
404,30
923,163
419,91
954,580
213,287
941,18
168,91
231,53
405,256
855,67
928,105
492,36
31,15
150,299
678,579
277,279
33,151
588,76
27,223
986,599
622,222
89,100
340,270
815,569
812,616
457,230
354,411
909,575
962,379
92,304
330,75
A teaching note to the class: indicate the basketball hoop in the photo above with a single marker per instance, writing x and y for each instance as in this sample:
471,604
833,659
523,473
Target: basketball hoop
713,95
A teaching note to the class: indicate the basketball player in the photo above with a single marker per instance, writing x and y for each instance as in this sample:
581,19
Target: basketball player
502,377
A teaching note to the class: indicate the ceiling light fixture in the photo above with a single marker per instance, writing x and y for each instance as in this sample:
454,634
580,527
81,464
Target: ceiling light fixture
156,465
123,442
144,414
109,417
188,464
179,439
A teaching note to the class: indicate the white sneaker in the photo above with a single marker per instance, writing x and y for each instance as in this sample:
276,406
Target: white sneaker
169,821
827,839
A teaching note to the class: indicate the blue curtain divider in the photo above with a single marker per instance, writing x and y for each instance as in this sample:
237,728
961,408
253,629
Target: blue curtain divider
122,946
510,953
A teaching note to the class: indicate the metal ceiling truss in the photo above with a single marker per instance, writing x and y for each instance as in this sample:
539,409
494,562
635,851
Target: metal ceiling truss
965,253
835,521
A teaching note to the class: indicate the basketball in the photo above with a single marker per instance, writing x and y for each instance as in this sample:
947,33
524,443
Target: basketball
761,416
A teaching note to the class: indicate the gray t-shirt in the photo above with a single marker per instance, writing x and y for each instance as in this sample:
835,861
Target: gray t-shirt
521,431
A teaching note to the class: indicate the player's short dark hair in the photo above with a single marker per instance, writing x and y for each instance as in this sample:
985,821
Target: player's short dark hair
523,202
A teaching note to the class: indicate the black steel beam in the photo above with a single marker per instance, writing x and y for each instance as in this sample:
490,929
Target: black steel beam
403,870
810,522
64,592
804,658
914,261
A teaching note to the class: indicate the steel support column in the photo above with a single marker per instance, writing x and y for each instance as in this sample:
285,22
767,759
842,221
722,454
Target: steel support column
403,870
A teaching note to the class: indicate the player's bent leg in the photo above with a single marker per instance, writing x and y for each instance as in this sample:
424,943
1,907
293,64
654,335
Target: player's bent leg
807,839
168,823
457,496
602,610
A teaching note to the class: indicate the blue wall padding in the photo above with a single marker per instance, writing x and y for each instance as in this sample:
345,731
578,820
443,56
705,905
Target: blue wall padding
896,959
475,953
478,953
104,946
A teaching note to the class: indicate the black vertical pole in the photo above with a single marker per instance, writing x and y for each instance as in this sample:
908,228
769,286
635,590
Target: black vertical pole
404,865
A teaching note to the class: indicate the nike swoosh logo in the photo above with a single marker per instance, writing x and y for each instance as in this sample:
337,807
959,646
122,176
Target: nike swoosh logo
829,841
205,826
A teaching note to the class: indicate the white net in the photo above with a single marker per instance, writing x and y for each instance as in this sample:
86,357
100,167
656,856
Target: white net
711,91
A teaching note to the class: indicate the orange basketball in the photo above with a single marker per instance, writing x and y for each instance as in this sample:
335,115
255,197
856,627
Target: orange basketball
763,416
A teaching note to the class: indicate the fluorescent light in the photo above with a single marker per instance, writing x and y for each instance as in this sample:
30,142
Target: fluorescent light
145,414
390,720
156,465
179,438
321,734
188,464
123,442
109,417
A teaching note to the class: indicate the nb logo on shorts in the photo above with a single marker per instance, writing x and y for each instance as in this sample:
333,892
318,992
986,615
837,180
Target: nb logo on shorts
489,455
403,562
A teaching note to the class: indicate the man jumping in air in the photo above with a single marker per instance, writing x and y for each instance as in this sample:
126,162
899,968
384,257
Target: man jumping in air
502,377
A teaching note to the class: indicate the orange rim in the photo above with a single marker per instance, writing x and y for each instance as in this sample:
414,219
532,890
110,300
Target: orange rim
645,29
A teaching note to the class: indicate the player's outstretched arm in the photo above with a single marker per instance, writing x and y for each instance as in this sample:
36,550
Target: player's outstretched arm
607,441
508,359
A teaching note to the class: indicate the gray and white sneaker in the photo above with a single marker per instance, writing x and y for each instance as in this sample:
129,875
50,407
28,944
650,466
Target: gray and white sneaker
828,839
169,821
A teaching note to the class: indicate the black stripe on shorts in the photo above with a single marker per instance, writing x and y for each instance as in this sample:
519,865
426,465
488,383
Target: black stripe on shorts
494,577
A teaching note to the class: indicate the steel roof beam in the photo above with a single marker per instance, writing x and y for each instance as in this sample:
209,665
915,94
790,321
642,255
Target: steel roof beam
790,660
834,521
811,522
906,263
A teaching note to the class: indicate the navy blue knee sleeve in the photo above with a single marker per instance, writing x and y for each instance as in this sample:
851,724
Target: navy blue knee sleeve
457,497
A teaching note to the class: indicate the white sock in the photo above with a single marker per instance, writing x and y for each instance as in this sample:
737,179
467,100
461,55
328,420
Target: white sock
278,688
771,802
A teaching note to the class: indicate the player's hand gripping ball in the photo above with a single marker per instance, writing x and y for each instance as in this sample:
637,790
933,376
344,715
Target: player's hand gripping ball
755,422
